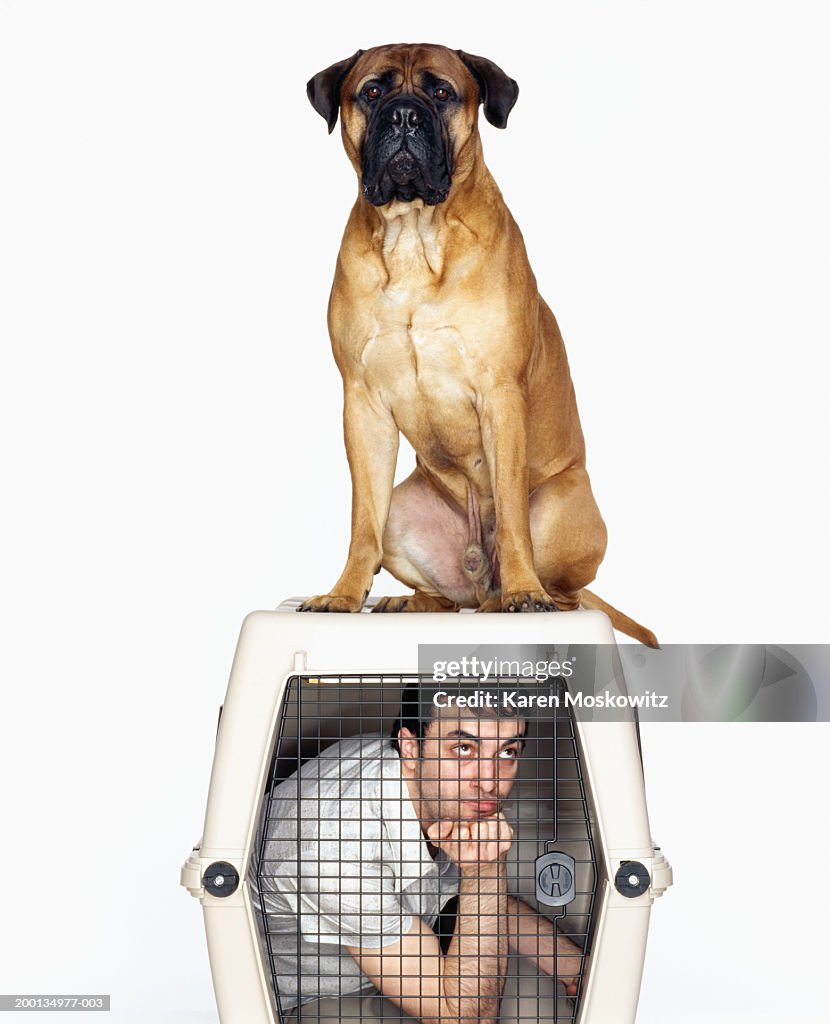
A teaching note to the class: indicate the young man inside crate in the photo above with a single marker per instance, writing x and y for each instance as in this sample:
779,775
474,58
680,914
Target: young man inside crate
380,875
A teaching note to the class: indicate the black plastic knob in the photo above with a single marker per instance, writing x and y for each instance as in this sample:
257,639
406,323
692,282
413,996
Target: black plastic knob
632,879
221,879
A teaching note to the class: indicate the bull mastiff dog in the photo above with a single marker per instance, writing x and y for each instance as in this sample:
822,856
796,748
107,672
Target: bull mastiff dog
440,334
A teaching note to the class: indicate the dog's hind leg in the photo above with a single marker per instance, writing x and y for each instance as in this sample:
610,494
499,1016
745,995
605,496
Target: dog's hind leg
568,535
424,543
417,602
569,540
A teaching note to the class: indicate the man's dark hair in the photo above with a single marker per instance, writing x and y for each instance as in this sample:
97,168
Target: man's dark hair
418,708
410,714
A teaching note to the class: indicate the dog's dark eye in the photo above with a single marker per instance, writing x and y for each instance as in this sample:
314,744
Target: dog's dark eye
372,92
441,93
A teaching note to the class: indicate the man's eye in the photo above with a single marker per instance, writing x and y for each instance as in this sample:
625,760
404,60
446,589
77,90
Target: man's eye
463,749
372,92
510,754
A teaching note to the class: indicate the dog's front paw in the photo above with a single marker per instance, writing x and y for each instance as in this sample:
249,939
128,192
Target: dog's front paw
520,601
332,603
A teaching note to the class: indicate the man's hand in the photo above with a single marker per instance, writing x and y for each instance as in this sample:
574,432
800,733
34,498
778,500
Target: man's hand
535,936
472,843
569,962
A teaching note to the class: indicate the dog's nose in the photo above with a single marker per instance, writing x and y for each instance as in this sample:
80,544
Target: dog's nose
405,118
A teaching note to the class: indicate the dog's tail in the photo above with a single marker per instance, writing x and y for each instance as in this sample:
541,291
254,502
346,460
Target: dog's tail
619,620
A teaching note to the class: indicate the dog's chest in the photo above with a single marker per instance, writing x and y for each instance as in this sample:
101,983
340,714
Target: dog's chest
418,349
417,340
426,372
413,356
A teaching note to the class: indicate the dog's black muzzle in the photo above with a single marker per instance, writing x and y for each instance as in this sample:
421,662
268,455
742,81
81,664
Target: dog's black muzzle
405,154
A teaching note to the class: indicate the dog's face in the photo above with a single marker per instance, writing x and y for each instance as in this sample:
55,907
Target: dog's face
408,113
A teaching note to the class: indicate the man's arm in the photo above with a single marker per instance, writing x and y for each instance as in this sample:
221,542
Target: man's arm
534,936
465,984
475,966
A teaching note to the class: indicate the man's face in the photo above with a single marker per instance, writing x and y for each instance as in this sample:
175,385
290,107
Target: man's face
463,768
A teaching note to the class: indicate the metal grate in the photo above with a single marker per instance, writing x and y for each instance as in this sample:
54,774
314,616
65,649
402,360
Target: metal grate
361,916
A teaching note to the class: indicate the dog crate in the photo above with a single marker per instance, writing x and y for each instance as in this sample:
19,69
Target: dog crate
315,853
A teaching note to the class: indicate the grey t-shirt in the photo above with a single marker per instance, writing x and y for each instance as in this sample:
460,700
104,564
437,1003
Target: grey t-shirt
344,863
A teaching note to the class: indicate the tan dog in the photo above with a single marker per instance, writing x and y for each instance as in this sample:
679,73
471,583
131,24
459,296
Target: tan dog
439,332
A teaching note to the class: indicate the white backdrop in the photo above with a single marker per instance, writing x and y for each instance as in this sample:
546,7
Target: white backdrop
170,212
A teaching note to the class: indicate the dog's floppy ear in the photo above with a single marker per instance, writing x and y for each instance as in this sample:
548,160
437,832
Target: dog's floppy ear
324,89
498,92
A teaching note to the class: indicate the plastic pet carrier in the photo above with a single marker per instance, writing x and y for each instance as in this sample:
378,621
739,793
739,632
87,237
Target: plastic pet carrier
382,844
